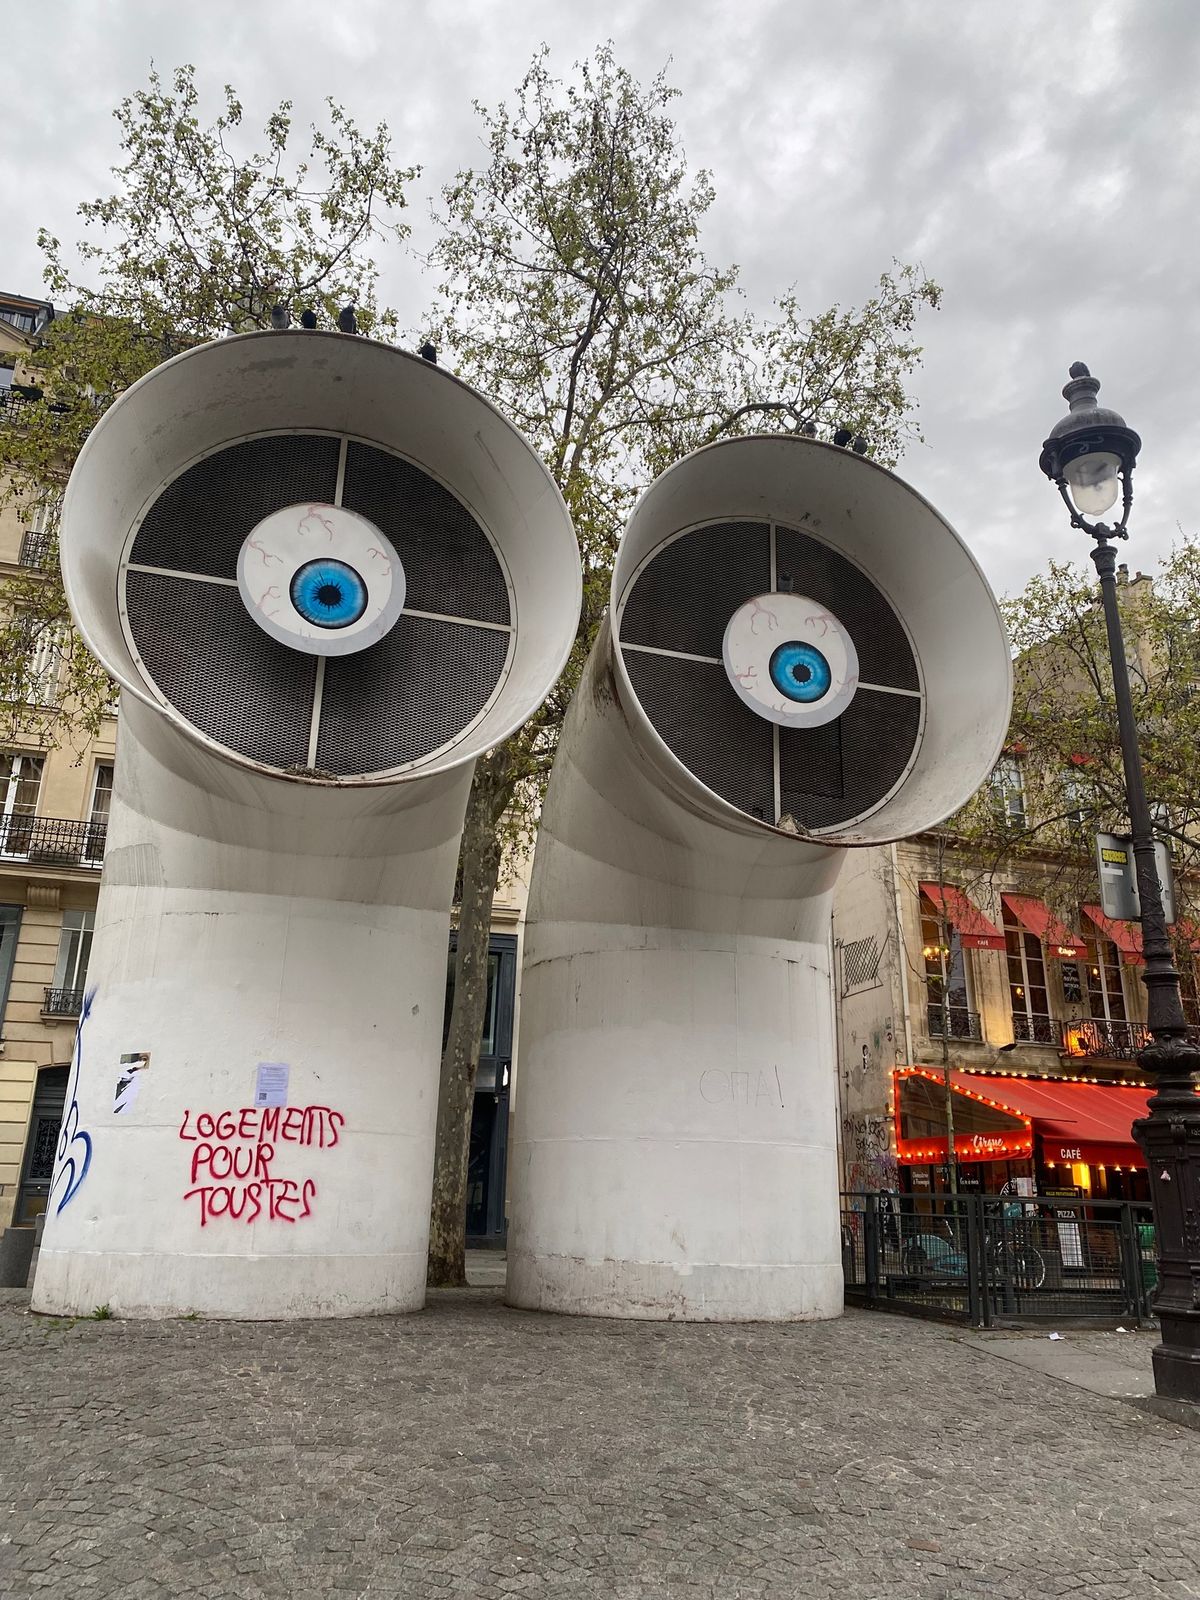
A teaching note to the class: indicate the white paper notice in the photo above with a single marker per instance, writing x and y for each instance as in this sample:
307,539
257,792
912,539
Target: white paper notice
126,1093
271,1084
129,1081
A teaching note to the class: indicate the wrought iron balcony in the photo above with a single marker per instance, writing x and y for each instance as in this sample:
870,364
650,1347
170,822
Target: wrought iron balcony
13,400
1036,1028
63,1002
1111,1040
52,841
953,1022
35,548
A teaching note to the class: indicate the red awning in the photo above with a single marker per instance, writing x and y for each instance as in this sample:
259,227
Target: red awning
1037,919
1127,936
1090,1122
973,928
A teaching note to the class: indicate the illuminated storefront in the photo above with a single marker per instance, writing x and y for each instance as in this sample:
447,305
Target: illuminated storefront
1013,1129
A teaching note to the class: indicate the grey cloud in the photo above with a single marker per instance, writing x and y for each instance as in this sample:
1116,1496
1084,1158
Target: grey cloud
1038,160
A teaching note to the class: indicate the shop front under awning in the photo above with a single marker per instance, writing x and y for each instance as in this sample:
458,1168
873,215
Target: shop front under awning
972,927
1091,1122
1037,918
1005,1118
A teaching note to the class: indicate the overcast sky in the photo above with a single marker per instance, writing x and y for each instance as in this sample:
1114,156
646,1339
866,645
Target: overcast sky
1041,161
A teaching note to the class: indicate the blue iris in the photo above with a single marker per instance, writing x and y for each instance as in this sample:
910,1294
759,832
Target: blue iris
329,593
800,672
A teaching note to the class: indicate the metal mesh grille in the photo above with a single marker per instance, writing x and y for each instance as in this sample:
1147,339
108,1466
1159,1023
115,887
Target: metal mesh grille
684,599
449,564
877,734
704,724
860,964
198,523
220,670
884,653
406,695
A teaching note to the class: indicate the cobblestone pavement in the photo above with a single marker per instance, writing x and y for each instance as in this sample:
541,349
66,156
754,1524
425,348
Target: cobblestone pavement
480,1452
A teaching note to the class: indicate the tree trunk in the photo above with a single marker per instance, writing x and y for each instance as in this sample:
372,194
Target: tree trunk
480,859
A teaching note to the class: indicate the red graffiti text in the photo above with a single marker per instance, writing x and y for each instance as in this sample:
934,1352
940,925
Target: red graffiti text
232,1154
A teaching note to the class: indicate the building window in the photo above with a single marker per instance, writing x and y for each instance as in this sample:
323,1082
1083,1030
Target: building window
70,970
1027,984
947,979
1007,784
45,666
97,831
1104,982
1077,799
20,786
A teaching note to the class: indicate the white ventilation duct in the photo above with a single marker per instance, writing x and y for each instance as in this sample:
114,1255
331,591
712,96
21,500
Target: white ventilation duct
326,575
801,656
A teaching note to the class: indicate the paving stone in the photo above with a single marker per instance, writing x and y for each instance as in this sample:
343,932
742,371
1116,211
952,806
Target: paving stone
480,1452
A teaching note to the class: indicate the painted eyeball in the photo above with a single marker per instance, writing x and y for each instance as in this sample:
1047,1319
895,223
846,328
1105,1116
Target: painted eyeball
790,660
321,579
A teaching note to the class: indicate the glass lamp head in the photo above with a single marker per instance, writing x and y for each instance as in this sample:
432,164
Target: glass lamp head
1090,449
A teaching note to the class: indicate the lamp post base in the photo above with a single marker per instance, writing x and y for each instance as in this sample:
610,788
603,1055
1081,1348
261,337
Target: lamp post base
1170,1139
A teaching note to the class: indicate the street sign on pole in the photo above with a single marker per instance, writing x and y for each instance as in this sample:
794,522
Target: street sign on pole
1115,867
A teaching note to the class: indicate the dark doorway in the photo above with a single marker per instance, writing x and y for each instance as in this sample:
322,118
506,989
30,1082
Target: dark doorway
49,1099
487,1157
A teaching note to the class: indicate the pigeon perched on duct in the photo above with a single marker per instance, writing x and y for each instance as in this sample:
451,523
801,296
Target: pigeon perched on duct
428,353
859,446
281,318
347,321
843,437
308,319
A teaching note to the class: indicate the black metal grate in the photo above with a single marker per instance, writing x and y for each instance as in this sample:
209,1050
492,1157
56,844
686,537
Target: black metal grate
684,598
219,669
876,734
199,521
407,695
695,711
388,705
682,601
860,963
884,653
449,564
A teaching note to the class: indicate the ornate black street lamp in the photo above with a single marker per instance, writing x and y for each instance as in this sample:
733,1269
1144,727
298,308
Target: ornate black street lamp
1090,455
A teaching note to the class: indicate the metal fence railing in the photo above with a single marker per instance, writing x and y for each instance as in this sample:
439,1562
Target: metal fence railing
53,841
953,1022
990,1258
1034,1027
62,1002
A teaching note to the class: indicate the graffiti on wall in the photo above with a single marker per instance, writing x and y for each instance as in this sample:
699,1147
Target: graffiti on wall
232,1157
867,1151
74,1154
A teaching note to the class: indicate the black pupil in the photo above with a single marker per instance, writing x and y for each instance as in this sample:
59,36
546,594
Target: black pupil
801,673
330,595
